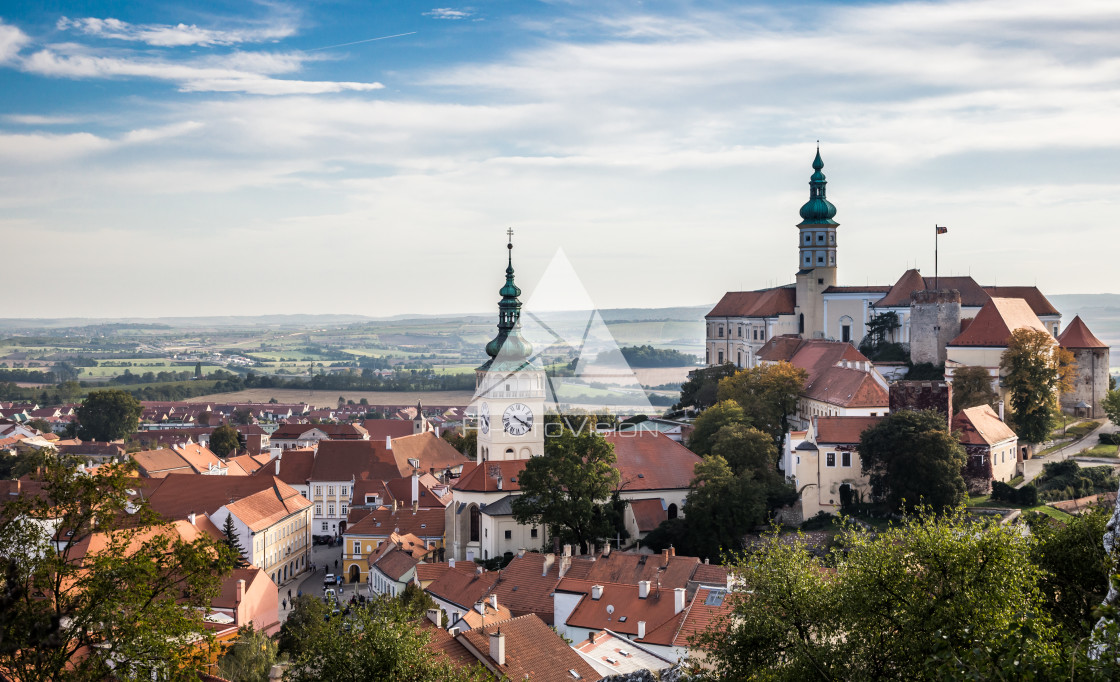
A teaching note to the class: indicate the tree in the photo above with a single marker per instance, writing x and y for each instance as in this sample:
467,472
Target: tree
108,415
745,448
911,459
306,623
224,440
972,386
710,421
1035,371
700,389
198,370
721,508
375,641
119,587
768,394
40,425
248,658
416,601
231,541
466,443
1075,567
906,603
568,488
1111,405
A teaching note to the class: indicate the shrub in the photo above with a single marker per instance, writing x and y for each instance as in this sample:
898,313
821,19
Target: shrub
1027,495
1002,491
822,519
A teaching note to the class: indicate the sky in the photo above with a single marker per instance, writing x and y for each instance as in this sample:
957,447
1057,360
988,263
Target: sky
364,157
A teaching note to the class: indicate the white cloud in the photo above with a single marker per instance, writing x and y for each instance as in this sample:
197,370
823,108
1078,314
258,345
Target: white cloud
450,13
12,41
40,120
178,35
215,74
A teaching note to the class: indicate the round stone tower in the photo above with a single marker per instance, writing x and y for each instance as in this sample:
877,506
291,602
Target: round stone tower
1090,381
935,320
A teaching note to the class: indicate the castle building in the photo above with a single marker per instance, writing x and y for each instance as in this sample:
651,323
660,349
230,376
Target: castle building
1090,382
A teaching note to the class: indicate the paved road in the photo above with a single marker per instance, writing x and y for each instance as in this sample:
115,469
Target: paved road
1033,467
311,582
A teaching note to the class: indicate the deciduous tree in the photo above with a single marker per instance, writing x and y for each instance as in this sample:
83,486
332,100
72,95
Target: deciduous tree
249,658
119,588
107,415
911,459
972,386
224,440
1035,371
768,394
569,488
710,421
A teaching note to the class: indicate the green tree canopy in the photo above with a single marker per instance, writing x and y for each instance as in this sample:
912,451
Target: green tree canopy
972,386
69,613
1035,371
224,440
231,540
911,459
108,415
569,488
907,603
249,658
700,389
746,449
1111,405
721,508
710,421
376,641
768,394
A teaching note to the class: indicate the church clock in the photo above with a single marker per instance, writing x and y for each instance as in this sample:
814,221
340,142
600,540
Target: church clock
517,419
484,417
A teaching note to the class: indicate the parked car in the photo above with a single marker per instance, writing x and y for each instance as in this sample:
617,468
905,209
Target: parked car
328,580
328,594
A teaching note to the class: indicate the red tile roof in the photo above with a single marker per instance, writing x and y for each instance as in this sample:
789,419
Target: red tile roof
333,431
463,589
620,607
345,460
430,571
842,430
533,651
159,463
484,477
526,587
433,453
981,426
995,322
648,513
378,429
1034,298
383,521
180,494
846,387
1077,335
972,294
267,507
760,303
295,467
392,561
707,607
428,487
629,568
442,643
649,460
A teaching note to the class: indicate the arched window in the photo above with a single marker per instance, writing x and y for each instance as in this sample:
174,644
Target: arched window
801,323
672,511
476,519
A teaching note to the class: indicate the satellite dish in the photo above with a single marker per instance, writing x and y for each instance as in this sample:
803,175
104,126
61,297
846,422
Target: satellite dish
610,609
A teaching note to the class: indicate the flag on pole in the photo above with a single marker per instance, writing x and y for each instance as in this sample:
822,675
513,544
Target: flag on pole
941,229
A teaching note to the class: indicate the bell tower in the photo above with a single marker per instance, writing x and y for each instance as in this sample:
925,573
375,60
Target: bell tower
816,254
510,386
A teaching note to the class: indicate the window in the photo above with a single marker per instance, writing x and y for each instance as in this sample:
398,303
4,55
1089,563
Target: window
830,459
739,358
344,493
476,517
509,535
533,533
318,490
820,238
740,331
845,459
330,490
721,357
330,510
820,259
808,239
318,510
357,547
342,511
324,526
721,331
846,333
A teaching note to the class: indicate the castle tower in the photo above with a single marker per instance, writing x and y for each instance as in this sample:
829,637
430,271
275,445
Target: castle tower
935,320
816,254
509,387
1090,381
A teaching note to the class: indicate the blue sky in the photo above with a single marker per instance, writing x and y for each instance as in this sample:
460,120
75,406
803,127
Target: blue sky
269,157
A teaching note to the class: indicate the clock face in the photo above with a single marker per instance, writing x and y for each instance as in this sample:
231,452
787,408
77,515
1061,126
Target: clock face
484,417
517,419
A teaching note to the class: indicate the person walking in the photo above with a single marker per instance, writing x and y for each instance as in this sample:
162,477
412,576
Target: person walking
284,603
289,595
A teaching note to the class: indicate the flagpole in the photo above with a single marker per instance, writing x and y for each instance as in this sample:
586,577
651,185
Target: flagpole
936,234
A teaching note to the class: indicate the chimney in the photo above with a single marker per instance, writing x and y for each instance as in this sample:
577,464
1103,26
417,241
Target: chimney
672,551
388,442
591,549
478,570
565,564
240,591
451,562
643,589
664,557
567,550
596,592
277,466
606,550
494,601
520,552
678,600
415,507
415,487
498,647
191,517
437,432
394,505
549,559
1001,410
480,607
641,629
436,616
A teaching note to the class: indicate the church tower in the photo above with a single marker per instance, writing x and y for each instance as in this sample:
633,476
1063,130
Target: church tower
816,254
510,386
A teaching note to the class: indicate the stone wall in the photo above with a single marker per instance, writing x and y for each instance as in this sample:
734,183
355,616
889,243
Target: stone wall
935,320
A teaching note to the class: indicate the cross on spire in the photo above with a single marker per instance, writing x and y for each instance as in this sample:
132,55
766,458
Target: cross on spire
509,233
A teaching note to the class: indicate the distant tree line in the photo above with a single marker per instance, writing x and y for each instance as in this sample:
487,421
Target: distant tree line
646,356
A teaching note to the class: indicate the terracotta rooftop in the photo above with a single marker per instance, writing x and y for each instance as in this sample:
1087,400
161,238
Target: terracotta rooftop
332,431
180,494
525,586
484,477
649,513
267,507
620,608
428,487
628,568
159,463
426,571
972,294
381,522
707,606
442,643
846,387
649,460
981,426
842,430
1077,335
432,452
378,429
227,598
463,589
533,651
392,561
995,322
347,460
760,303
200,458
295,467
1034,298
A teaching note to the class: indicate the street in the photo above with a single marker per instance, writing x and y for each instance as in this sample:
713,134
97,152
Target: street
324,558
